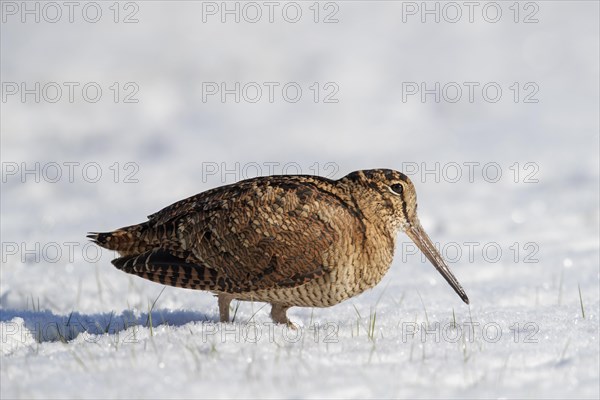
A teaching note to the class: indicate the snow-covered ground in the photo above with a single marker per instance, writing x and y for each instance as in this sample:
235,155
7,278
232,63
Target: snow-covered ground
524,244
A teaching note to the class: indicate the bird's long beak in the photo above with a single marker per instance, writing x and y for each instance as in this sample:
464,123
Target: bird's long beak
416,233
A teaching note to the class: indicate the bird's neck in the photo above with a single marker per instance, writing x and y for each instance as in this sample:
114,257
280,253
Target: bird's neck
379,240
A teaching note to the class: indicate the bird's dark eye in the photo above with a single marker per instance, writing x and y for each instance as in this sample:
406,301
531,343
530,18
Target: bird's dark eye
397,188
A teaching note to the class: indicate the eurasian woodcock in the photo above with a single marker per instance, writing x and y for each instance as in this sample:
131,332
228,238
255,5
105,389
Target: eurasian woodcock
289,240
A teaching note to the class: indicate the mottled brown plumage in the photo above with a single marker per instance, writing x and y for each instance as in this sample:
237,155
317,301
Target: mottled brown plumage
286,240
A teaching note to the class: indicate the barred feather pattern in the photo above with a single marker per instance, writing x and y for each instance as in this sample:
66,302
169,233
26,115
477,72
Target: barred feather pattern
292,240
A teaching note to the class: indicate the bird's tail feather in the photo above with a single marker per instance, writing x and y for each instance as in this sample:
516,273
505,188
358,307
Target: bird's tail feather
159,266
127,241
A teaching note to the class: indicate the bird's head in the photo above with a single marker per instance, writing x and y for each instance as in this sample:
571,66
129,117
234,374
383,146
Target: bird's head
390,197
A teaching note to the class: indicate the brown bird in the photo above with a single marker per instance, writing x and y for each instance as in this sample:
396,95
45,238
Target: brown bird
289,240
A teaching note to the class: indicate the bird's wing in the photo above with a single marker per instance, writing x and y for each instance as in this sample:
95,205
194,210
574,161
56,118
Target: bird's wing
260,234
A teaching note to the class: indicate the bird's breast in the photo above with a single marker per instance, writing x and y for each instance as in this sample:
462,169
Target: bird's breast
351,271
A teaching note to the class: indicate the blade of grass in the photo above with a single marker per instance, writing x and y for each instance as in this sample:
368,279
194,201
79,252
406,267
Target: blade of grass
150,309
424,309
235,311
581,301
453,319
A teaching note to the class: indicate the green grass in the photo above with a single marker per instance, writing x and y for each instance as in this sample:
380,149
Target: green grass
371,324
255,312
453,319
424,309
33,304
235,311
581,301
564,352
150,309
149,320
472,325
107,328
560,285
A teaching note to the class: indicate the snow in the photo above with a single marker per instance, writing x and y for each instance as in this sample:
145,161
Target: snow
72,325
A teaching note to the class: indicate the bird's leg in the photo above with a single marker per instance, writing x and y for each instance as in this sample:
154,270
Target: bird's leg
278,314
224,301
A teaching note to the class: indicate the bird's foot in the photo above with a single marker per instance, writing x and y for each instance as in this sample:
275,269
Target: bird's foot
224,301
279,316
